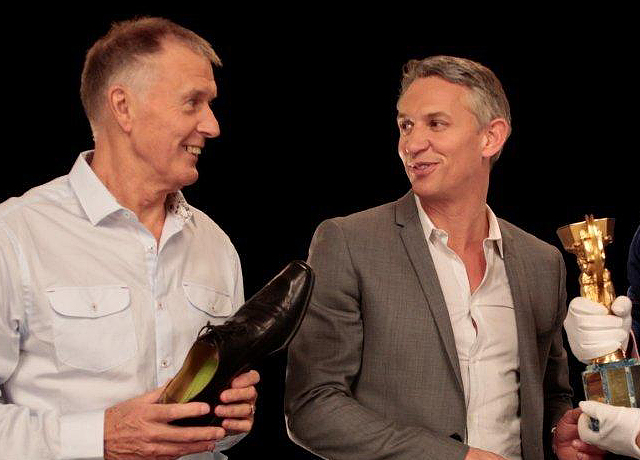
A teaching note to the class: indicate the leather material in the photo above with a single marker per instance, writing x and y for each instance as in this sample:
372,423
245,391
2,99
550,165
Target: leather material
265,324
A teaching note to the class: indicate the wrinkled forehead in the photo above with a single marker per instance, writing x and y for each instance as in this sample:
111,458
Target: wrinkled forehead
434,93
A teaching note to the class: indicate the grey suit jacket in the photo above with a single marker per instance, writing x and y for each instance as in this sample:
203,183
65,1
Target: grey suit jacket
373,372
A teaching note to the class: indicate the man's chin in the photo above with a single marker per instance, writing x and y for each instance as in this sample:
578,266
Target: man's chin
187,179
422,190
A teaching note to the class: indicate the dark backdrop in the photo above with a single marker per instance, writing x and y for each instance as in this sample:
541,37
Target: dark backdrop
307,113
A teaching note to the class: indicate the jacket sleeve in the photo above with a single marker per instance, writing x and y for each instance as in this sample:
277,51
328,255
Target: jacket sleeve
322,413
556,387
633,274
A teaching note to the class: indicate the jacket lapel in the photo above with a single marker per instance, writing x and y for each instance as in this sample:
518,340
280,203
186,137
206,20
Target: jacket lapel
412,236
525,321
530,379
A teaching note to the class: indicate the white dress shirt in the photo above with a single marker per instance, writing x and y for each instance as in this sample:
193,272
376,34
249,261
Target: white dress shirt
488,350
93,311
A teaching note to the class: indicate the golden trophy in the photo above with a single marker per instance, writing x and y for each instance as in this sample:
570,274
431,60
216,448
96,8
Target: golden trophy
610,379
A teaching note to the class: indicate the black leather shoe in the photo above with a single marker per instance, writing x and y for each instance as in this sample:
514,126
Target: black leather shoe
266,323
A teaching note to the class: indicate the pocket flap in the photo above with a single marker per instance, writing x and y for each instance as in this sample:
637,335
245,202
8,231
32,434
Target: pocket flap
207,299
88,302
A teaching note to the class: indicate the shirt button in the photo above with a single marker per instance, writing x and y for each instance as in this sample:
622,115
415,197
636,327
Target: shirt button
164,363
159,305
150,249
94,307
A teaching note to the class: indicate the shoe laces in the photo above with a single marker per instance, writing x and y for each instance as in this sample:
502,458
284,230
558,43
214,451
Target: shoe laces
229,326
206,329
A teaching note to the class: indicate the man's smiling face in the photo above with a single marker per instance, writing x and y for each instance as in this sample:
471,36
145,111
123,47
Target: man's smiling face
440,139
171,117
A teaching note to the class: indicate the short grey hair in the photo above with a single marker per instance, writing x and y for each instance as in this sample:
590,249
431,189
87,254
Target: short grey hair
488,100
122,48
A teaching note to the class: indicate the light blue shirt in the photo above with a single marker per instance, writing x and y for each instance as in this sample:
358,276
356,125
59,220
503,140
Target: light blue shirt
93,311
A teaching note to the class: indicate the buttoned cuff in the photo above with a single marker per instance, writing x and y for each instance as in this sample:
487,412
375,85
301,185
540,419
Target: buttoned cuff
82,435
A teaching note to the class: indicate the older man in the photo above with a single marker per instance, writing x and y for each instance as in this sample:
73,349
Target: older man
107,273
434,329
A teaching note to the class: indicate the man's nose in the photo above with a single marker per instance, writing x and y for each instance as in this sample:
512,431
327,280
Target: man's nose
416,141
208,125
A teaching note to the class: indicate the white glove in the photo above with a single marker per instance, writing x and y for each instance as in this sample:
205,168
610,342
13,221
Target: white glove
592,332
619,427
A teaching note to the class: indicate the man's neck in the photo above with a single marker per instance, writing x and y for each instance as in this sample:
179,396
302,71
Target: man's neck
466,223
130,189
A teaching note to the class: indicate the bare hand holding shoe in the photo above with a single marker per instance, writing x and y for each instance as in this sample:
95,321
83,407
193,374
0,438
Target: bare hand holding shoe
139,429
239,403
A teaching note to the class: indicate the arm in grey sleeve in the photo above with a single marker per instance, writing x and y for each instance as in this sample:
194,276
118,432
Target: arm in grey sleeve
556,387
322,413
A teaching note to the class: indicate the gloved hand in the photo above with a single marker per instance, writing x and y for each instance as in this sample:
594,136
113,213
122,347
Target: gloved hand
619,427
592,332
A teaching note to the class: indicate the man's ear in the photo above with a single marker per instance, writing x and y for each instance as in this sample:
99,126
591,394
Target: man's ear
120,103
495,136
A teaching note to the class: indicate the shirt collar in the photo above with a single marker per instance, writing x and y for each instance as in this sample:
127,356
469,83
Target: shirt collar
430,229
178,206
94,197
98,202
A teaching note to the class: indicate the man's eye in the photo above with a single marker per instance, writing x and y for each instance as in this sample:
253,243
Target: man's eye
437,124
404,126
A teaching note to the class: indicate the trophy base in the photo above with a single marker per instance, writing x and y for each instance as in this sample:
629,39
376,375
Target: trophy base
617,384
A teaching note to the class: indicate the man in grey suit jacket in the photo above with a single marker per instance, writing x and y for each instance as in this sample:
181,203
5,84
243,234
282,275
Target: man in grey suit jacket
434,329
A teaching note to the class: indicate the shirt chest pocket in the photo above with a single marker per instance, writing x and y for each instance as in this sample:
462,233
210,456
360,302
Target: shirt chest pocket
93,326
206,303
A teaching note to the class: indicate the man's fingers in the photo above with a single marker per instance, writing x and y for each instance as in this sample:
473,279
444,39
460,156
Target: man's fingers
170,412
239,395
234,410
583,456
571,416
246,380
586,448
237,425
181,434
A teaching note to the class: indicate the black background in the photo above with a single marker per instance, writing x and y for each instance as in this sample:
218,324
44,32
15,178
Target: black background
307,112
